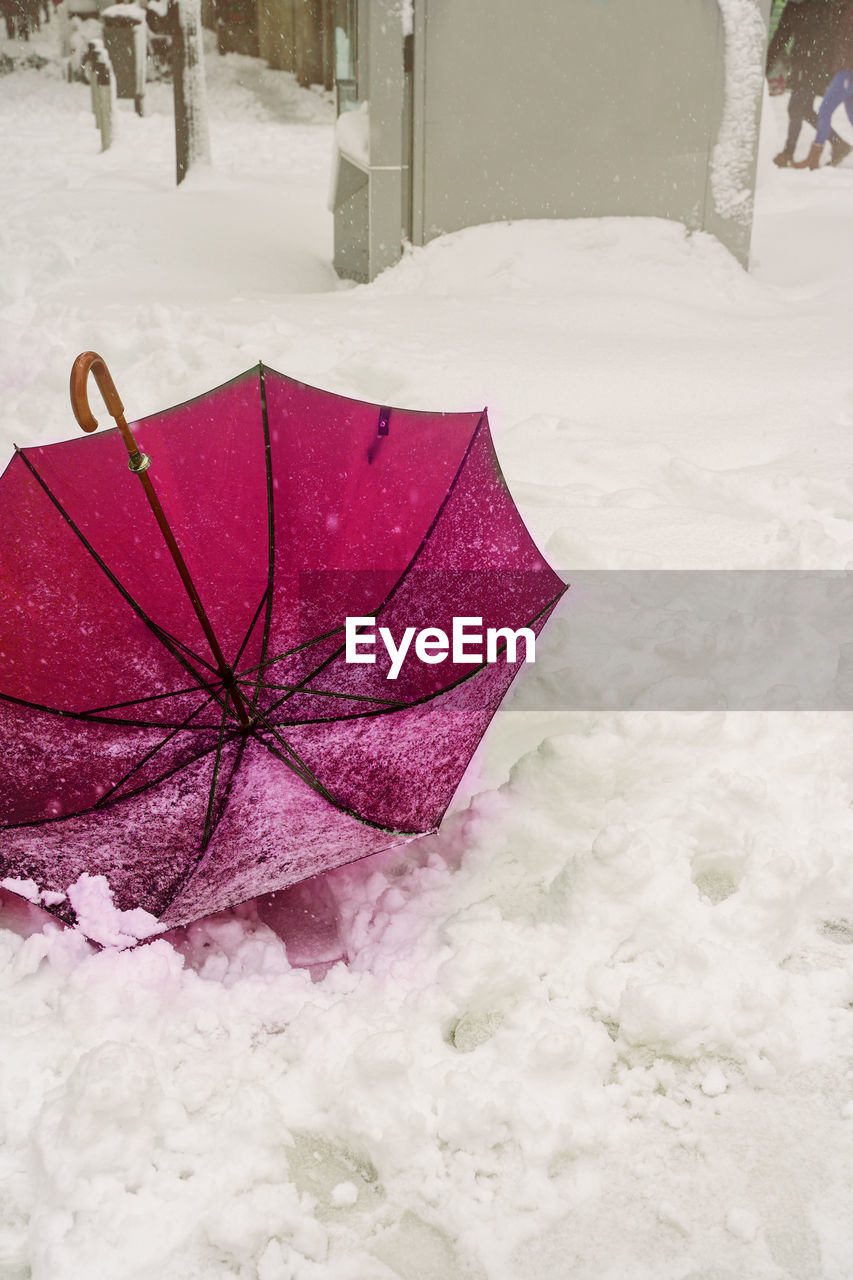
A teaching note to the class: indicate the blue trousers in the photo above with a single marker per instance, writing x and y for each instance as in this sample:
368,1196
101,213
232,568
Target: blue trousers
800,108
840,90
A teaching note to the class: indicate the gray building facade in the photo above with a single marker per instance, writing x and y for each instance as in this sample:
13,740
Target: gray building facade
489,110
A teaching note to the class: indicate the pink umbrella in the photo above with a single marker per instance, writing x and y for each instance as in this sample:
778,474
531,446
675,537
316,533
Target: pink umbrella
180,709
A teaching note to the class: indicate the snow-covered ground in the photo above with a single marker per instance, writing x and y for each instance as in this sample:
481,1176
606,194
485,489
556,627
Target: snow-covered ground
599,1027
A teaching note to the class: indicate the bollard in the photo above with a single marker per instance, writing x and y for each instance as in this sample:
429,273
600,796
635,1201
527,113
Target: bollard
104,88
89,64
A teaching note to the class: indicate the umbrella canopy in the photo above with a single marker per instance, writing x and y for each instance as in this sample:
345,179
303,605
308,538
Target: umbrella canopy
185,718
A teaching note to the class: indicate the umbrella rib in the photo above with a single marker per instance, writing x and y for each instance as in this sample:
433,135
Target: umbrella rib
246,637
152,626
270,534
208,817
214,823
425,539
301,769
293,762
332,693
90,717
288,653
179,644
149,697
393,590
155,782
427,697
226,793
138,791
103,802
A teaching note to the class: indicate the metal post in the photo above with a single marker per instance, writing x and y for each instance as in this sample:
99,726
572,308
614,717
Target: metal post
192,142
104,91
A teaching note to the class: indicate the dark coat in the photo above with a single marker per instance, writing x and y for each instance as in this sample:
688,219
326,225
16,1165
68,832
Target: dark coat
810,27
842,50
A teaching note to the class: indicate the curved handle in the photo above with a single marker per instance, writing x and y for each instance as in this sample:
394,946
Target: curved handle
90,362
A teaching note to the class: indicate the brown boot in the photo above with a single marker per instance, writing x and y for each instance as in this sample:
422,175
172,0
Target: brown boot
812,160
839,150
785,159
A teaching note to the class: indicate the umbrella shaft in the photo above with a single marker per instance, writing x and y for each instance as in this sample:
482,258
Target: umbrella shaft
225,672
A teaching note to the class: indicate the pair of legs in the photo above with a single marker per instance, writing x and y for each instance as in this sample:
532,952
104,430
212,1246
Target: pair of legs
840,90
800,108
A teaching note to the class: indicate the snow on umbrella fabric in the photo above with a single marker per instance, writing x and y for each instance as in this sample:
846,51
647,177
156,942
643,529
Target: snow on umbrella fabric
196,772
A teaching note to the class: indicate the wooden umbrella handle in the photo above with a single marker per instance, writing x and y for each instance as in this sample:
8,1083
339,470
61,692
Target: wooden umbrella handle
90,362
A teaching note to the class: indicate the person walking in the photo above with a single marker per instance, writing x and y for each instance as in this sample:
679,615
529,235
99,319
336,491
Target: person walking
809,27
840,90
9,11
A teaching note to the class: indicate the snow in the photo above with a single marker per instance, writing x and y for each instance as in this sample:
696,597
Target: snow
352,134
734,151
27,889
600,1025
130,12
99,919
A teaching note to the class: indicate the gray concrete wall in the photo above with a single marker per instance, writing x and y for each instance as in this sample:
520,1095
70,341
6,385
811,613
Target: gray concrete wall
547,108
566,108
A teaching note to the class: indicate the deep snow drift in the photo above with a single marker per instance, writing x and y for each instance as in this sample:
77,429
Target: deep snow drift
601,1025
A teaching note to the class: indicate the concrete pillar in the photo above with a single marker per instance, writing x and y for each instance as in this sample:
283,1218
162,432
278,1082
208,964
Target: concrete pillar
386,99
